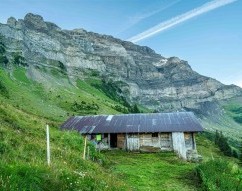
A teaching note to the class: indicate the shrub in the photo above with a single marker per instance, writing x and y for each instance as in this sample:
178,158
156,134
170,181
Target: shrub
3,90
19,60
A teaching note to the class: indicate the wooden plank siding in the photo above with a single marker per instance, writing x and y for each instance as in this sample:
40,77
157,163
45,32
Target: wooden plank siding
133,142
189,141
180,142
147,141
121,140
166,141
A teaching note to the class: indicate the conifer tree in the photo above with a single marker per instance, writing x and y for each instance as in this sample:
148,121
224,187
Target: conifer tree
216,137
223,144
240,154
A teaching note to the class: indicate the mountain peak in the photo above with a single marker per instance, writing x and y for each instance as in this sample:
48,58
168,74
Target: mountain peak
33,17
35,21
12,21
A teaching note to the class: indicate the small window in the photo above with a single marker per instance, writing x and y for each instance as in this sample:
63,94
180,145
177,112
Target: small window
105,135
154,134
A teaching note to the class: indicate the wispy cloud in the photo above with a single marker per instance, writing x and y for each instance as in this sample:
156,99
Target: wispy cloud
180,19
140,17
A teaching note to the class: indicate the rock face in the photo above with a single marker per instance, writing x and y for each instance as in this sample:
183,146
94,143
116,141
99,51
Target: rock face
159,83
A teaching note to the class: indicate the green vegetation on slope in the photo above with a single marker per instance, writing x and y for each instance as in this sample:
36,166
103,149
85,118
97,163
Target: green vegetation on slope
27,105
234,109
57,102
220,175
3,58
23,157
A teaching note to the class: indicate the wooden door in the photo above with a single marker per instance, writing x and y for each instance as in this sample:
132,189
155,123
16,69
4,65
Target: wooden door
133,142
165,141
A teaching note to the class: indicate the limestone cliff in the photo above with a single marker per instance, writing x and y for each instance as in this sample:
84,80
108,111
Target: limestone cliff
151,80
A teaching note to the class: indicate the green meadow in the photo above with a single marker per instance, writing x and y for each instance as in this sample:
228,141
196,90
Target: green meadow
27,106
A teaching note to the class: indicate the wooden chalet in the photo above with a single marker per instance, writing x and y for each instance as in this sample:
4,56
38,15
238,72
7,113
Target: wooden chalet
140,132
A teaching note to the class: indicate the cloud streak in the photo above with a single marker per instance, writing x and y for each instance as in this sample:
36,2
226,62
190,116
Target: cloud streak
180,19
138,18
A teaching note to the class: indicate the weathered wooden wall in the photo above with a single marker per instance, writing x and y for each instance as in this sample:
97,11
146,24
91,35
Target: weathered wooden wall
148,140
166,141
132,142
178,141
121,141
189,141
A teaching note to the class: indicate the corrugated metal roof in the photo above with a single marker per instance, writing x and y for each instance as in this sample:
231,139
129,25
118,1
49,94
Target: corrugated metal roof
134,123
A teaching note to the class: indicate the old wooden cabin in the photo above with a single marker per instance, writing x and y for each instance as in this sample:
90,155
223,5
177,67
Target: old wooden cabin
140,132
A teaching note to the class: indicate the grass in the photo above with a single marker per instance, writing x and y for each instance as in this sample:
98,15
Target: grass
29,105
51,100
220,175
23,157
164,171
153,171
24,113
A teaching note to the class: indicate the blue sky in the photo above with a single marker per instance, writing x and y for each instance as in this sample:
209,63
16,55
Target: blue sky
211,42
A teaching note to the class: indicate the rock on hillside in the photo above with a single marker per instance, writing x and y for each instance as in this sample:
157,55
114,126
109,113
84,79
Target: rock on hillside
151,80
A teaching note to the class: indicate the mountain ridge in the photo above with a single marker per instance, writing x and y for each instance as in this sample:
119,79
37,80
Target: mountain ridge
149,79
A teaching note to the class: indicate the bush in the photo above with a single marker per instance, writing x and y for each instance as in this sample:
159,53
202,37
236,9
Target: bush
3,59
19,60
3,90
83,106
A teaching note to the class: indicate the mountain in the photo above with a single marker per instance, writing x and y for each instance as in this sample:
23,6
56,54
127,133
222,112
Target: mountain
48,74
135,74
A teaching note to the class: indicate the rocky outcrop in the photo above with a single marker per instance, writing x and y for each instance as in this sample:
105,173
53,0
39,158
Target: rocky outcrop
152,80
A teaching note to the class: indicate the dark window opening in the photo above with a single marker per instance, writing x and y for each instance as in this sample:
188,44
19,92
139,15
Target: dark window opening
113,140
93,136
154,134
105,135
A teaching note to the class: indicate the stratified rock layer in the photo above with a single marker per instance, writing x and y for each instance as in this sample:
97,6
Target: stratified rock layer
154,81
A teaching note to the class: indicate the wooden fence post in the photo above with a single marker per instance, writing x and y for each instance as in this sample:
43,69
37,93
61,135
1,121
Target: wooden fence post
48,144
88,152
85,145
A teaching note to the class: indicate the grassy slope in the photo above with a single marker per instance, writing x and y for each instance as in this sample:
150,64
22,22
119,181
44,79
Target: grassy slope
234,109
53,101
161,171
230,123
22,143
22,150
23,115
